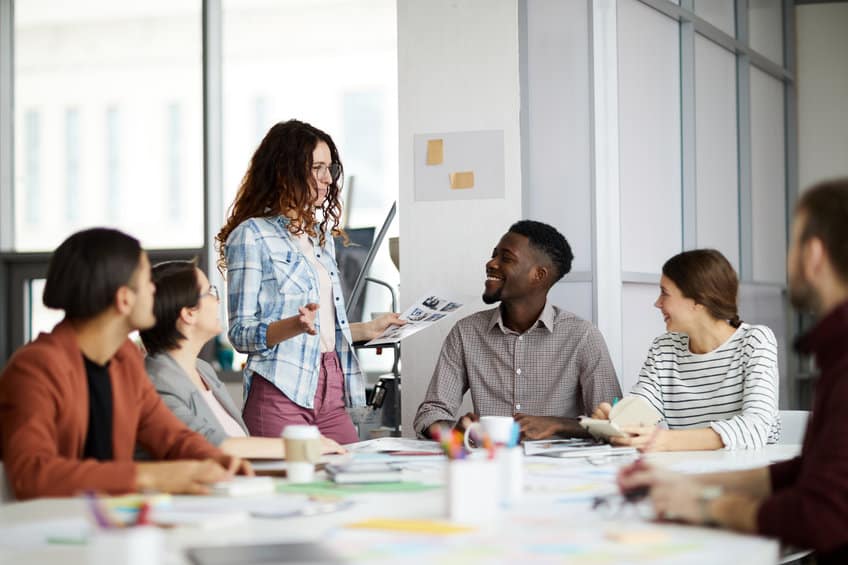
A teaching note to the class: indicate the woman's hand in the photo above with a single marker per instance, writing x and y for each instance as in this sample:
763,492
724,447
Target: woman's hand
644,438
306,318
602,411
365,331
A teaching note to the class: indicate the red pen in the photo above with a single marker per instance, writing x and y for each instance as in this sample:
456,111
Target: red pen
143,518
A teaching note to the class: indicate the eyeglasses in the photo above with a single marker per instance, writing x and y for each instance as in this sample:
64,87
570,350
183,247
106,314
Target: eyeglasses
213,292
335,170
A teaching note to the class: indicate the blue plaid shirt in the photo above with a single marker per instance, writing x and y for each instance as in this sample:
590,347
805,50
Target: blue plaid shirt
268,279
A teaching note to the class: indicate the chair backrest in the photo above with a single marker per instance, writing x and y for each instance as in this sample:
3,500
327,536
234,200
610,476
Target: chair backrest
793,424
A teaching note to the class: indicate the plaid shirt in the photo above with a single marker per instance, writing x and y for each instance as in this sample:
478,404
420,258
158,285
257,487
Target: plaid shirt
268,279
559,367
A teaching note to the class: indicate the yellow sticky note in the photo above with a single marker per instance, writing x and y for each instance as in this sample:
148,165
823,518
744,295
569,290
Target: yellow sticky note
411,526
435,151
464,179
644,536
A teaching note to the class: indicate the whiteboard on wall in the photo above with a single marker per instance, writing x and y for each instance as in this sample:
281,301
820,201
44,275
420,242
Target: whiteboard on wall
478,152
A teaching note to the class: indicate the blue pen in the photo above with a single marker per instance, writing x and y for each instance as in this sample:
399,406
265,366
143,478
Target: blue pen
514,435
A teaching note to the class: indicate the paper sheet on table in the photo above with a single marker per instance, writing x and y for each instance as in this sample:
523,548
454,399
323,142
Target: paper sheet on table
383,444
33,535
429,309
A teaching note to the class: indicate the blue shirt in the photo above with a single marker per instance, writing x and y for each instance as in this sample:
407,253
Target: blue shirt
268,279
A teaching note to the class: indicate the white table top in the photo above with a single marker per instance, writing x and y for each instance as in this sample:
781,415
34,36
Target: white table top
553,522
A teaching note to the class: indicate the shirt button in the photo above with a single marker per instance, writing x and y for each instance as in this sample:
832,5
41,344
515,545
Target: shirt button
337,298
518,371
520,338
518,407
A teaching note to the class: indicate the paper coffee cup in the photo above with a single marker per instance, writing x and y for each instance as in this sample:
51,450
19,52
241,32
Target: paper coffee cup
303,449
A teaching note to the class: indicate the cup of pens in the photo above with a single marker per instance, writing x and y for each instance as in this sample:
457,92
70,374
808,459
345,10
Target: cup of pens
112,540
472,480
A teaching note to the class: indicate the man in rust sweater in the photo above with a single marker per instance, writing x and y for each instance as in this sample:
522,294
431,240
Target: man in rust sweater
74,402
803,501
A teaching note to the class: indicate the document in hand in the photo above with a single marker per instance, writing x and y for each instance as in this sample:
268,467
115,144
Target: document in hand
630,411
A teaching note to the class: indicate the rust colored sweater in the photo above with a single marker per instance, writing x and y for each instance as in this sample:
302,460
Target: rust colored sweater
44,420
809,502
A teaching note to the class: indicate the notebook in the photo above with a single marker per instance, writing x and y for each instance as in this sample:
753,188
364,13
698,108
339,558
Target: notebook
629,412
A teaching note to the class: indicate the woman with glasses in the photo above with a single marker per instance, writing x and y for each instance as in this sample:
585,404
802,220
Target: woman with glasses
713,377
285,303
186,310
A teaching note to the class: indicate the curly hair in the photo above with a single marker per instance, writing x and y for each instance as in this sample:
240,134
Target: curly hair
279,181
549,241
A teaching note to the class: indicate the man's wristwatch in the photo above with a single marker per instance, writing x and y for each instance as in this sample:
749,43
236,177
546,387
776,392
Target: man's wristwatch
707,495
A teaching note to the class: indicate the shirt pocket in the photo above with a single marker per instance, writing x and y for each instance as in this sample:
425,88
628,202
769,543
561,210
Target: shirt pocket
292,273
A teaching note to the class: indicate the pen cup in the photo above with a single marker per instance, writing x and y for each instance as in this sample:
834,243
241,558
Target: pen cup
138,545
303,449
472,490
510,462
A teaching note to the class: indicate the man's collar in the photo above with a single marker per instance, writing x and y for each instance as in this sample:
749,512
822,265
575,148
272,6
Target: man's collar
546,319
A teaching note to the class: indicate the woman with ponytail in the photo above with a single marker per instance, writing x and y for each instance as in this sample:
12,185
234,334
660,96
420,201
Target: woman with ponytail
712,377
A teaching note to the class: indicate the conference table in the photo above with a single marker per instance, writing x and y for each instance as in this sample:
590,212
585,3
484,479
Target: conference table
552,522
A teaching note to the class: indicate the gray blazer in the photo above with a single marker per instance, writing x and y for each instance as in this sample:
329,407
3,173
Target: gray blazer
185,401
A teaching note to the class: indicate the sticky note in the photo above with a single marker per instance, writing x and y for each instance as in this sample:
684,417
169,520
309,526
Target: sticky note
411,526
435,151
464,179
646,536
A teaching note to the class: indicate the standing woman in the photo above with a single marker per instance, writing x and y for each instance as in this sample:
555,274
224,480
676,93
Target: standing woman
285,303
713,377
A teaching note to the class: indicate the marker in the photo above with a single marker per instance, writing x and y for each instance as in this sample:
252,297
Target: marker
614,400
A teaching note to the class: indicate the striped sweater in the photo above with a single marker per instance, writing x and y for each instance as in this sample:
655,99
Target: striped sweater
732,389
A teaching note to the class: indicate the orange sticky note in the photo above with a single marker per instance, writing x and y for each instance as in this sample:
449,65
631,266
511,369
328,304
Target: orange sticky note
464,179
435,151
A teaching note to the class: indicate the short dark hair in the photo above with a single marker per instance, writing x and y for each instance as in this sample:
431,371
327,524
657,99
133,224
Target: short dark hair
548,240
176,288
87,269
708,278
826,208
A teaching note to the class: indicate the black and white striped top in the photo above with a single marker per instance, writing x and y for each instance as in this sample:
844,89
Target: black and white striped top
732,389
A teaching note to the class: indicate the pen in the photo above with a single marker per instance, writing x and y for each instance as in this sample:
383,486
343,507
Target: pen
97,511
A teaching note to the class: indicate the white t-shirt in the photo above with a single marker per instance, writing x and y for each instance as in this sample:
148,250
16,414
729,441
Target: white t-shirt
327,310
732,389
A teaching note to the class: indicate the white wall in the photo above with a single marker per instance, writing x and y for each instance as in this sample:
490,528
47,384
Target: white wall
822,91
457,71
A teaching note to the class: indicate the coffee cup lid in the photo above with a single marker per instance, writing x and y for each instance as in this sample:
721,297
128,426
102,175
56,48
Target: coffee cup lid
299,431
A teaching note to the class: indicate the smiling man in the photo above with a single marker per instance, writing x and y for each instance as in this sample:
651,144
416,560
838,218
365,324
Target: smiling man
526,358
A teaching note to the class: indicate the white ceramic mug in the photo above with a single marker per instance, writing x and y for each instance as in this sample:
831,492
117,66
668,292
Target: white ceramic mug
498,428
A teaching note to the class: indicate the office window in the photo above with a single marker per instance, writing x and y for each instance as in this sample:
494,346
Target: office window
716,159
32,165
768,178
720,13
72,164
261,118
173,141
113,164
97,57
765,28
649,137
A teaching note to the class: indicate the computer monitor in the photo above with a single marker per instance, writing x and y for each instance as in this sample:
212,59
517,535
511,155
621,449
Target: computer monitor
355,259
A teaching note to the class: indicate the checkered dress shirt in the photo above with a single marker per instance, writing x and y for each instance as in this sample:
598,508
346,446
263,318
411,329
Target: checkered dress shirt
559,367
